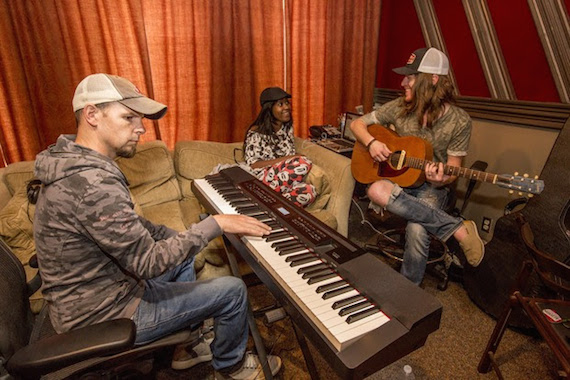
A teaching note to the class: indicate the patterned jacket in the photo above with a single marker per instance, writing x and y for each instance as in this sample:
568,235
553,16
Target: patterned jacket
94,251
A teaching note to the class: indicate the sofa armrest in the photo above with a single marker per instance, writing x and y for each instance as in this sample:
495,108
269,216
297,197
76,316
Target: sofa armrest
340,178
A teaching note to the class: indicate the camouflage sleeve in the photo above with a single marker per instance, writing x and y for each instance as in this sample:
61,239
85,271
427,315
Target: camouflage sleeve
106,213
387,113
459,144
158,232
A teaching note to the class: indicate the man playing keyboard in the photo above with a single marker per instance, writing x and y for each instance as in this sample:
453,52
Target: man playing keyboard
99,260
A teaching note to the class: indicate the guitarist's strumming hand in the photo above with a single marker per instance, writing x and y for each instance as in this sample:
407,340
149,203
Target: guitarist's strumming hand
378,150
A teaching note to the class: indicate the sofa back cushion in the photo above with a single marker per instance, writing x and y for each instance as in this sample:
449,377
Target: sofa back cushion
196,159
151,175
18,174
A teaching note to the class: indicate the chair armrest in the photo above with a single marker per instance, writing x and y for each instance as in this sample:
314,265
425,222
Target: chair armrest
61,350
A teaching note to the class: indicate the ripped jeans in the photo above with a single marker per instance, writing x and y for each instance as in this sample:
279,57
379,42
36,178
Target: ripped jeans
422,207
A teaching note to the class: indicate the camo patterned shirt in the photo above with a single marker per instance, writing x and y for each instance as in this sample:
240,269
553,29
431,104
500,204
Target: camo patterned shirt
449,134
93,250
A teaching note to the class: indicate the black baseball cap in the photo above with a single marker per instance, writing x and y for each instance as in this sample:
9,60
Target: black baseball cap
272,94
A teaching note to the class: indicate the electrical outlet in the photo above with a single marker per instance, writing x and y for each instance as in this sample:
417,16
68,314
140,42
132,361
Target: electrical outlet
486,225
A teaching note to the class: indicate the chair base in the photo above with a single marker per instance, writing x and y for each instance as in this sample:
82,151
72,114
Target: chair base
391,244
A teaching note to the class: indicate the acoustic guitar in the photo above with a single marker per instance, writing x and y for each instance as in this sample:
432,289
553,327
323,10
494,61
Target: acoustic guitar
410,154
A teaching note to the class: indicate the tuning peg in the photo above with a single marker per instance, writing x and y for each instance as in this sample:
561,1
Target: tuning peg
535,177
511,191
520,193
530,195
525,175
516,173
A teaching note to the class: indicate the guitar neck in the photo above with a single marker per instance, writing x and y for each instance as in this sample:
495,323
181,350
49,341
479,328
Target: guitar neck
418,163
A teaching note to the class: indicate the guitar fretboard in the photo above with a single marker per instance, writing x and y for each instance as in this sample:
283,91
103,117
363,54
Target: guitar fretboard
418,163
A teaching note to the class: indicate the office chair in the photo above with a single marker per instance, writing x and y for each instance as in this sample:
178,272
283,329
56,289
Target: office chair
391,242
30,348
555,276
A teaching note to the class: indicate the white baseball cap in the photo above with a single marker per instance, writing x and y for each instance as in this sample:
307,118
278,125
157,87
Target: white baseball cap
425,60
102,88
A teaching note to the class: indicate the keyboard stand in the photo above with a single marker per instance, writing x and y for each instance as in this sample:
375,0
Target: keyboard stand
258,342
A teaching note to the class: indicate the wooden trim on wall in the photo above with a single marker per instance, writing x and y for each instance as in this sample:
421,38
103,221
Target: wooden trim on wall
524,113
551,20
489,49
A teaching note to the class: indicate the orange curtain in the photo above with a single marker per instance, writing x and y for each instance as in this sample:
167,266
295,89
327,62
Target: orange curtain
207,60
334,46
56,44
210,61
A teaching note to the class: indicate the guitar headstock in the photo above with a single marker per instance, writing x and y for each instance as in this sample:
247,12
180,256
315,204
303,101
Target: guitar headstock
521,184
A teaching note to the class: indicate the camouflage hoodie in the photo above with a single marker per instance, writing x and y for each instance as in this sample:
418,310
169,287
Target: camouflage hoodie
94,251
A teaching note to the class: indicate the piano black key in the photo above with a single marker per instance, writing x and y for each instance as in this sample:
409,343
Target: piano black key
291,249
314,280
243,208
312,268
272,223
363,314
299,257
277,236
316,273
298,262
223,187
336,292
235,196
354,308
244,204
285,244
260,215
340,303
332,285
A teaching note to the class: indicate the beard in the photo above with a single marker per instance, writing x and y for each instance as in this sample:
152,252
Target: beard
127,151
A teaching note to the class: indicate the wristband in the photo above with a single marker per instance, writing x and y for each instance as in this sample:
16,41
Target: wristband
369,144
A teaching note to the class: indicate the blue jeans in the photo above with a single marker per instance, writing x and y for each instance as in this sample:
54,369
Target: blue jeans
175,300
422,208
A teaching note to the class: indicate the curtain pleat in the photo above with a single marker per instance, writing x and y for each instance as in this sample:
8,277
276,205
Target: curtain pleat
333,47
207,60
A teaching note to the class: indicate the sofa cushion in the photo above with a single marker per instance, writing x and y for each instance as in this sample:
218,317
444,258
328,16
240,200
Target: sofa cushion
18,174
196,159
151,175
17,232
319,178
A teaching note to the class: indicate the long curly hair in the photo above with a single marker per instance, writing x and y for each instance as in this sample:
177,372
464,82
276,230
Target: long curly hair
428,99
264,121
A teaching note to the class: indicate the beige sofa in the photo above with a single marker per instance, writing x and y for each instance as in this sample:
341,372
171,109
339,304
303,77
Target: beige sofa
160,183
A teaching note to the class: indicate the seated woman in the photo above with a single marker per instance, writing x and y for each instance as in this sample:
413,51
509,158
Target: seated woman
269,149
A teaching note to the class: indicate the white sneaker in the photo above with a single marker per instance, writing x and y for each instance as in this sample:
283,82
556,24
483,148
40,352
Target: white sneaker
251,368
189,355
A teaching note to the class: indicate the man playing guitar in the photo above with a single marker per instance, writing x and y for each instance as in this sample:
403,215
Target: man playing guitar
426,110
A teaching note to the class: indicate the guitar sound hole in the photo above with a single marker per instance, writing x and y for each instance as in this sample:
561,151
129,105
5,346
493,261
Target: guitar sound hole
394,159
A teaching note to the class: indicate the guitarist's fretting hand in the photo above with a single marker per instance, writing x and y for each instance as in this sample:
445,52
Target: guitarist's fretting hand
379,151
434,173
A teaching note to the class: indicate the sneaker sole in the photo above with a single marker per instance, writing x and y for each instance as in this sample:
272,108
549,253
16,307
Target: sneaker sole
191,363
